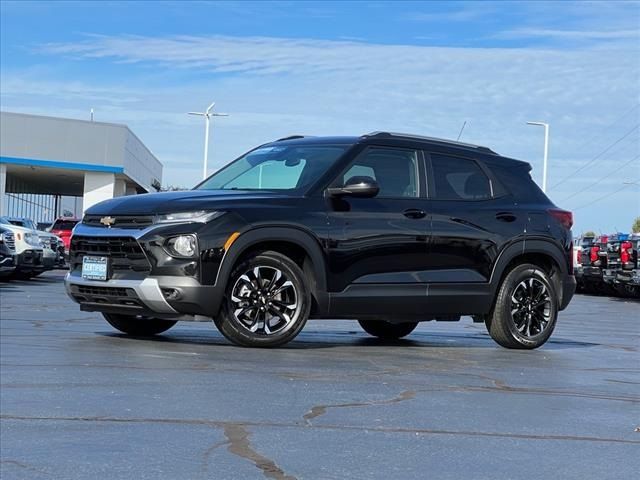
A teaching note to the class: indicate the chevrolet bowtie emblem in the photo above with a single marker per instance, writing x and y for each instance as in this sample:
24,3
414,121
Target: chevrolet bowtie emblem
107,221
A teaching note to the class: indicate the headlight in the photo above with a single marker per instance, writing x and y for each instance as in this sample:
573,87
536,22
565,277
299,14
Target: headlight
182,246
33,239
200,216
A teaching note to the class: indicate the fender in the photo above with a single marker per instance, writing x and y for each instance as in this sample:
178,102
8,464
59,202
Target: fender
292,234
526,246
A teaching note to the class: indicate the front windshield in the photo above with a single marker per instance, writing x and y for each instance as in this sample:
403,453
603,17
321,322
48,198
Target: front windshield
280,167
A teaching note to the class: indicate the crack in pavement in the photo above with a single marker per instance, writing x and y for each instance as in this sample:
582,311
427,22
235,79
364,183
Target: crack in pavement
414,431
238,444
322,409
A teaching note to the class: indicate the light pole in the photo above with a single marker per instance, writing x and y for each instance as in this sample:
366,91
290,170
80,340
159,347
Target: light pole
546,152
207,114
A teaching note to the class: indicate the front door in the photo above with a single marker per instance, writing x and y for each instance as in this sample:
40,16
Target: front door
378,246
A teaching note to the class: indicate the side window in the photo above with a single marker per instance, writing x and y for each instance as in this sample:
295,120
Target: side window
459,179
395,170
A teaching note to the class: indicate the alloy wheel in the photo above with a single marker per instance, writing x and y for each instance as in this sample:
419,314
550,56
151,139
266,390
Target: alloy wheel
265,301
531,307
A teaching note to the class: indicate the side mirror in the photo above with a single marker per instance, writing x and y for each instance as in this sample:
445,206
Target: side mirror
359,187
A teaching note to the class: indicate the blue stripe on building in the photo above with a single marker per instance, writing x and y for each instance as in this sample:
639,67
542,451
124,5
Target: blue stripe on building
65,165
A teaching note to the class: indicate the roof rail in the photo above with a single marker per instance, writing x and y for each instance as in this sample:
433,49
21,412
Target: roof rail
429,139
290,137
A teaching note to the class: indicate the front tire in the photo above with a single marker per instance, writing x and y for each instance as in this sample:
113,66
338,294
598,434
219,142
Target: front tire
386,330
267,302
139,327
526,309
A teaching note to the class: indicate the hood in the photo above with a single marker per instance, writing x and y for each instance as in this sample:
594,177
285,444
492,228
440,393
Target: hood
172,202
16,228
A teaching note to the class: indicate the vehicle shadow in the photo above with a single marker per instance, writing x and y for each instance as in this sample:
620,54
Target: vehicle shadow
342,338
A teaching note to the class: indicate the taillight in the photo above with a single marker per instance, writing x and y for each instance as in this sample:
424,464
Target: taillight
593,253
625,252
579,257
563,216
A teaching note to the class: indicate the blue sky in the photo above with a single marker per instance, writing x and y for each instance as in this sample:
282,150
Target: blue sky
348,68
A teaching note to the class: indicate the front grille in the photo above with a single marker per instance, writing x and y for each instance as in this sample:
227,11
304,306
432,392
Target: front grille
124,253
10,240
120,221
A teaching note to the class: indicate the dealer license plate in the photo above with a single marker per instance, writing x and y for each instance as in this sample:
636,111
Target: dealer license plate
95,268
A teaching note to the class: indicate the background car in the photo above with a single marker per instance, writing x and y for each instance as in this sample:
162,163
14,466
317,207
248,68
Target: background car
7,253
27,246
51,256
62,227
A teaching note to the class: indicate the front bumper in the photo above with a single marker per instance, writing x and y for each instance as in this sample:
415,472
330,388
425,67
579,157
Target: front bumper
7,264
49,259
30,261
161,297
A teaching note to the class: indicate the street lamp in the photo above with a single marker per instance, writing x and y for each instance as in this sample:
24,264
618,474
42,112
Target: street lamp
546,152
207,114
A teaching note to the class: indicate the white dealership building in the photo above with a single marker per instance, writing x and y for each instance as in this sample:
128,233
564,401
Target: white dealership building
43,159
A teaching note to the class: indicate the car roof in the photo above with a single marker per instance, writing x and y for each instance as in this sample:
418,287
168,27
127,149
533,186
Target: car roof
398,139
367,138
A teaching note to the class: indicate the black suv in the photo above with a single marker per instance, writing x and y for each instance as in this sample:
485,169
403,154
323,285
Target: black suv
389,229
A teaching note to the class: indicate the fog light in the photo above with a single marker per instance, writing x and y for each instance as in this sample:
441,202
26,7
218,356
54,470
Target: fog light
183,246
171,294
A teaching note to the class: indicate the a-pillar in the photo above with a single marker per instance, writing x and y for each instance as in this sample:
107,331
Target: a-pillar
99,186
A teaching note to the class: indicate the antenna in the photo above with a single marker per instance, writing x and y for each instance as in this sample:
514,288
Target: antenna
461,130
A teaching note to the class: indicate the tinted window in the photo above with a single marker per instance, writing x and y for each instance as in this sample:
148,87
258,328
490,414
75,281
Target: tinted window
459,179
517,180
395,170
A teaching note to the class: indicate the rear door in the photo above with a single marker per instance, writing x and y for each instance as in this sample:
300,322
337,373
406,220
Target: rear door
469,224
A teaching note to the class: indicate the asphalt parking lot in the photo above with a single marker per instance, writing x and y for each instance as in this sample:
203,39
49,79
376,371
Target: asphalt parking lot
79,400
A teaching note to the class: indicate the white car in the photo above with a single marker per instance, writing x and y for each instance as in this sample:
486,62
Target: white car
28,248
7,254
52,245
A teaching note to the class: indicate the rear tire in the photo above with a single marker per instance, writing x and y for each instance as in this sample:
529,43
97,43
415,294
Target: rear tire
526,309
387,331
139,327
267,302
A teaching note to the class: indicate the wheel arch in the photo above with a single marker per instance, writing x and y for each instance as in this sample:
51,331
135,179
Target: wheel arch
297,244
542,253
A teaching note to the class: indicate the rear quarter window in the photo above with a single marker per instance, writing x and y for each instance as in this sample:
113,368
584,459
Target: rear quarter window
516,179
